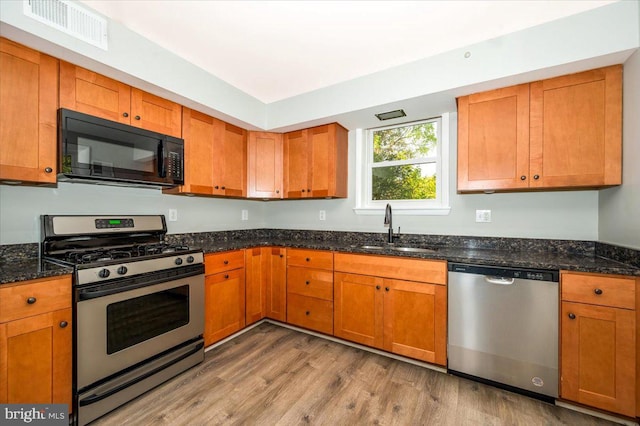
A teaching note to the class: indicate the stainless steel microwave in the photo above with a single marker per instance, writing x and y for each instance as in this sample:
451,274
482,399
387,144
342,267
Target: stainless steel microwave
94,150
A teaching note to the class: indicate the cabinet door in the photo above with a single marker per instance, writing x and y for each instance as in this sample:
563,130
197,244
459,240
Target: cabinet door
358,304
256,270
234,157
28,106
224,305
598,357
198,134
328,145
277,284
154,113
264,165
415,320
91,93
576,129
493,139
37,352
296,165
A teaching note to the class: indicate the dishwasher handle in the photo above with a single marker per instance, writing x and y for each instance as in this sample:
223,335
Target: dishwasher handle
499,280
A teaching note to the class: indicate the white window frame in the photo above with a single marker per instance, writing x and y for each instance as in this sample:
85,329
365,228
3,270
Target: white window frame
364,161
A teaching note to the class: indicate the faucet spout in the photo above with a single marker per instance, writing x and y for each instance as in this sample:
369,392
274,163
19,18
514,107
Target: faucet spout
388,221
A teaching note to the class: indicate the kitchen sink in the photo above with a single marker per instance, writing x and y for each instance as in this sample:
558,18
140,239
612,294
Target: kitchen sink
371,247
413,249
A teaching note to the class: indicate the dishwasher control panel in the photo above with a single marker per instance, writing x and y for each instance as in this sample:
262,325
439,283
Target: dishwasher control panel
496,271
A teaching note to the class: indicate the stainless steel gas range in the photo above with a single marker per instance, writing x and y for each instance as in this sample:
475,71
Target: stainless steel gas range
138,305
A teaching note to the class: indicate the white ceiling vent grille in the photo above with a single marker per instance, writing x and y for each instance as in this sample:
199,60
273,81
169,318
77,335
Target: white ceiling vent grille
70,18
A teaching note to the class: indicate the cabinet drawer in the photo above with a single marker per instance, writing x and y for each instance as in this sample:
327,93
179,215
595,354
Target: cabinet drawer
311,313
46,295
310,258
226,261
431,271
598,289
310,282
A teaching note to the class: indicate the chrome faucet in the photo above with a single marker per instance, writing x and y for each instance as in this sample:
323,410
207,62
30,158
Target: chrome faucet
388,221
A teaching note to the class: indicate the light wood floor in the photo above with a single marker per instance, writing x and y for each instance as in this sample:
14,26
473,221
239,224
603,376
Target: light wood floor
275,376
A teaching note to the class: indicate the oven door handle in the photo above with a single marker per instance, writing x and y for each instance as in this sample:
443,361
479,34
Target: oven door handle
92,399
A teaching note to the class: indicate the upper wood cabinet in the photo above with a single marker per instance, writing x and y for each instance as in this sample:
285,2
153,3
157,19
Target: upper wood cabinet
91,93
316,162
215,156
564,132
28,114
264,165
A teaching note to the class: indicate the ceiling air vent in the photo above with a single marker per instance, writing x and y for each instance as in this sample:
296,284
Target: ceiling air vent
391,114
70,18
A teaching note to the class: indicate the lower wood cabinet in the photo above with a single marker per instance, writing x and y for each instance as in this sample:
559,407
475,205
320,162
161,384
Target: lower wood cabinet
224,295
401,316
598,341
266,291
36,342
310,289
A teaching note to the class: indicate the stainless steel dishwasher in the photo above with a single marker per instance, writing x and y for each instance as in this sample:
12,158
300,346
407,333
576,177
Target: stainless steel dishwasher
503,327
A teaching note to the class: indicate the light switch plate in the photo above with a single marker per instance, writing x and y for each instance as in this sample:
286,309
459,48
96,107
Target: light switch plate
245,214
322,215
483,216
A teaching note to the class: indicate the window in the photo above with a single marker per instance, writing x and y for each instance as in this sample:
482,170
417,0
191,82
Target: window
405,165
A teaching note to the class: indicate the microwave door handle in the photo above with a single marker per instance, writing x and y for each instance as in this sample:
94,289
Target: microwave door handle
162,164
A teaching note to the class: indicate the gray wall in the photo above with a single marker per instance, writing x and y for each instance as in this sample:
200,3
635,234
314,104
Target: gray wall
562,215
619,208
21,207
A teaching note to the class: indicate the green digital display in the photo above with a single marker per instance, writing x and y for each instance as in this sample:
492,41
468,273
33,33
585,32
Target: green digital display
114,221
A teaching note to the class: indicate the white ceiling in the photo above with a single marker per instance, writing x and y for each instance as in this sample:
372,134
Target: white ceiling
274,50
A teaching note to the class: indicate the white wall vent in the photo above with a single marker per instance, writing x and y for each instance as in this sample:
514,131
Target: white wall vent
70,18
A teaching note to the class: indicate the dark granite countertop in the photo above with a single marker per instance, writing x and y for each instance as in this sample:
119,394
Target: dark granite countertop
20,262
16,270
508,258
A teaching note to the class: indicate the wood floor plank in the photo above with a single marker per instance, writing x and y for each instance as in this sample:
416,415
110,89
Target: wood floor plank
272,375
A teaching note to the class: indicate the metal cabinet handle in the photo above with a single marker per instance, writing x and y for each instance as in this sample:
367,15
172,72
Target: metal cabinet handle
523,177
223,187
216,187
536,177
226,262
31,300
63,324
377,287
308,259
572,316
386,289
309,190
48,169
307,313
137,117
125,114
306,282
226,276
598,291
303,190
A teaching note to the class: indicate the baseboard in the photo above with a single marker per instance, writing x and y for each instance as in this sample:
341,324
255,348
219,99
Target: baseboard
595,413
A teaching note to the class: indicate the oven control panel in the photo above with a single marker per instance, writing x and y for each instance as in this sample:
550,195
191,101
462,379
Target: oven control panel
114,223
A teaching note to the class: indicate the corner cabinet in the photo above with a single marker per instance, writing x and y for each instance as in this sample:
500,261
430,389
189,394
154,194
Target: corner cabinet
559,133
91,93
598,341
28,111
36,342
266,292
264,165
215,157
316,162
224,295
379,303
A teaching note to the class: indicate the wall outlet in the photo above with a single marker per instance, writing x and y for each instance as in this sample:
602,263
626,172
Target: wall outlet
322,215
173,215
245,214
483,216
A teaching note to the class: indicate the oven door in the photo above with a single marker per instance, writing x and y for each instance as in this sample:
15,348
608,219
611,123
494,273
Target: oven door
121,328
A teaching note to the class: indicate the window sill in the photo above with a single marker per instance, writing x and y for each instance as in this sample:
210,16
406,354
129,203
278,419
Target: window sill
404,211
